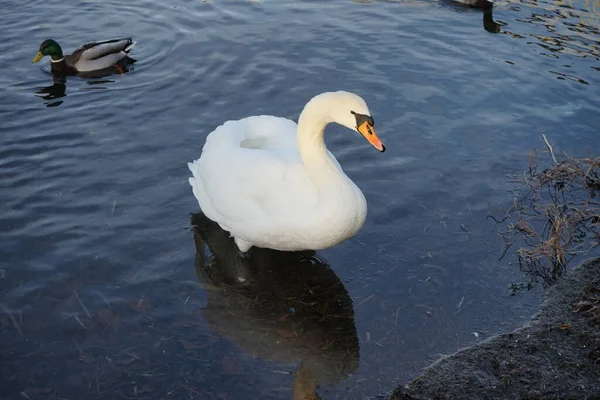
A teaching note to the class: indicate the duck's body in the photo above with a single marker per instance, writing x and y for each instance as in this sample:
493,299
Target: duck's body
88,57
477,3
273,184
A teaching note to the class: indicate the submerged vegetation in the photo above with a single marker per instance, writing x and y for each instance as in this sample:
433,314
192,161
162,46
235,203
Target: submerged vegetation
555,216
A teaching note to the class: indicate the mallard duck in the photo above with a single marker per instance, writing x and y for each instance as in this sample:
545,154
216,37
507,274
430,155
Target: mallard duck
88,57
273,184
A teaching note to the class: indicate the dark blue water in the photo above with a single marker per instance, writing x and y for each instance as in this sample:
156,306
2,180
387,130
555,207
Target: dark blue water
103,291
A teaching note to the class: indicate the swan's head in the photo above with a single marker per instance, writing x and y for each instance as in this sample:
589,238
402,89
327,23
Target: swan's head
352,112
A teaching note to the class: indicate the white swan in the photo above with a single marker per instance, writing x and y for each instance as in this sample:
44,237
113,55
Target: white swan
273,184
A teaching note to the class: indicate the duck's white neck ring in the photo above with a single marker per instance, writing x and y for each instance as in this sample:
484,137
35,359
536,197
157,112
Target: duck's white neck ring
55,61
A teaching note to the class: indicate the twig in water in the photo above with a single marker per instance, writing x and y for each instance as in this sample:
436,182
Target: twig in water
367,298
79,349
469,208
276,371
97,379
14,321
104,298
82,305
80,323
550,148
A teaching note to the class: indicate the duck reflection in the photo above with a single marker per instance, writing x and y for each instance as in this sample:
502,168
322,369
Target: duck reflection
288,307
58,88
486,7
488,22
55,91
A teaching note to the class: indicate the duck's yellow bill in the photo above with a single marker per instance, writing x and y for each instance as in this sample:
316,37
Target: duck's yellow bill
369,133
37,58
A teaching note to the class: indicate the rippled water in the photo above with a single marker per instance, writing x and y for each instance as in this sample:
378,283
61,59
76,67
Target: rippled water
104,292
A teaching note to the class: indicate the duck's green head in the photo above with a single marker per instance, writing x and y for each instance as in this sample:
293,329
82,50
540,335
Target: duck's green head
48,48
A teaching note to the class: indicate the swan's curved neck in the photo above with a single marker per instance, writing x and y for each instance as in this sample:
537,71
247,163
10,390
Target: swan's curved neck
311,126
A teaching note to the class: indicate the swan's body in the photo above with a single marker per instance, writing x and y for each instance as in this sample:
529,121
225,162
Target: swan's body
273,184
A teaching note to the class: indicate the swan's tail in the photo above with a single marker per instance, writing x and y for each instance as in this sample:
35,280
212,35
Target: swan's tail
193,168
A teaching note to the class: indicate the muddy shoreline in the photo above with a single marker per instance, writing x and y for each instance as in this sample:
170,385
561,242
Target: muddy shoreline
554,356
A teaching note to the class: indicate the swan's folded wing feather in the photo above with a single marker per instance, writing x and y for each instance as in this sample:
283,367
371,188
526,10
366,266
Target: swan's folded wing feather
254,186
276,133
242,185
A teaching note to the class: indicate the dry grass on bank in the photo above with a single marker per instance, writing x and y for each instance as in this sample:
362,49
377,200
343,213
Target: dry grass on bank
555,215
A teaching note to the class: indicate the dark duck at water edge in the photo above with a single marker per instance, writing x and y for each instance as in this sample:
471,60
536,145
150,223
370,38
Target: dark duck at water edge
484,4
87,58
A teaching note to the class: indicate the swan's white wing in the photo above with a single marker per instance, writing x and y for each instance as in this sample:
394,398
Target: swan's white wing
250,175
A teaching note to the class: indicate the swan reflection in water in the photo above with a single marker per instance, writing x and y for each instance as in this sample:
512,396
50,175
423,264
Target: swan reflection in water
58,88
290,307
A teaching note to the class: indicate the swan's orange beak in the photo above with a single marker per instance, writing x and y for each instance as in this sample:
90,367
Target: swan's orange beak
369,133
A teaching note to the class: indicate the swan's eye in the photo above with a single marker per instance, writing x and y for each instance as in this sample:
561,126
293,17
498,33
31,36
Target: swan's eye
362,118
